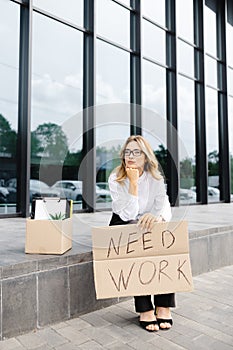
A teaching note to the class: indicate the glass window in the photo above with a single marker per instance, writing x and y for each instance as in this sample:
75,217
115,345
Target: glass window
230,81
185,19
212,144
9,71
125,2
112,113
154,111
229,34
185,58
71,10
230,128
154,42
154,88
155,10
57,93
210,30
211,71
186,132
112,74
229,45
113,22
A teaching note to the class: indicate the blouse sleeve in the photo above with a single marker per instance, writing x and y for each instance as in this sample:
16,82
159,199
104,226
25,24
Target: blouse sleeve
123,203
161,204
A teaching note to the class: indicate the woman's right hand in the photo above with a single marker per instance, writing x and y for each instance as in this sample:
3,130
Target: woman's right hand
133,175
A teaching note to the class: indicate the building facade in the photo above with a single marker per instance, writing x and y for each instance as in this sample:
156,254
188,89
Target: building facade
78,77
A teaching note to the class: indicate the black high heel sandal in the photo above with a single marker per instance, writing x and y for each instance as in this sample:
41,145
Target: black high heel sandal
145,324
164,320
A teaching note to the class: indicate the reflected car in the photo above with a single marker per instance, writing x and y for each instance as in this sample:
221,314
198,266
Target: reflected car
187,196
213,193
73,189
102,194
69,189
4,193
11,186
103,185
41,189
37,189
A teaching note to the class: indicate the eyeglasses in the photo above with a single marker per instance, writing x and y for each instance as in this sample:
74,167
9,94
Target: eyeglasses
135,152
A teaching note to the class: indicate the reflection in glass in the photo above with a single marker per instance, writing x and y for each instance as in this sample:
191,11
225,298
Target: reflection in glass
186,131
185,19
155,10
154,88
212,143
71,11
113,74
112,112
112,129
230,81
211,71
9,70
56,100
185,58
153,43
210,30
154,111
229,44
113,22
230,128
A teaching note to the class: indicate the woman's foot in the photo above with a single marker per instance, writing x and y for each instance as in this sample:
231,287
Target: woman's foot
147,317
163,313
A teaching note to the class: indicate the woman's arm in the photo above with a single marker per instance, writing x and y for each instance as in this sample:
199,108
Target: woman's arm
124,197
161,205
161,209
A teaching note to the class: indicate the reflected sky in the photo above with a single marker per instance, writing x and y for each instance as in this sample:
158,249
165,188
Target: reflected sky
56,71
9,61
184,10
210,27
72,11
230,111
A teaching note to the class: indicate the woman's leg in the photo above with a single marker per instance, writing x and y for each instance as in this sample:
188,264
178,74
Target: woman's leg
143,303
144,306
163,302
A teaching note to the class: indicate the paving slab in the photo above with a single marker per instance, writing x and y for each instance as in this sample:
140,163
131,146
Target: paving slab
198,324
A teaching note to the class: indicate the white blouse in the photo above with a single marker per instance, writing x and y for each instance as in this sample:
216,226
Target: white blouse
152,198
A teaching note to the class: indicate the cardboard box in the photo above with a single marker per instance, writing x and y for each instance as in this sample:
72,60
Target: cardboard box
129,261
48,236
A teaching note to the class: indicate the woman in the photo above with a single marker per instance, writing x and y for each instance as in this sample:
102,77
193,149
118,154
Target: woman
138,194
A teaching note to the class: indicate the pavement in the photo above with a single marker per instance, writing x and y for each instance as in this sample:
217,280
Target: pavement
203,319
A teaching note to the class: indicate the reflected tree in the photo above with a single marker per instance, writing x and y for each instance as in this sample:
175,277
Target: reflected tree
161,155
49,140
8,137
213,163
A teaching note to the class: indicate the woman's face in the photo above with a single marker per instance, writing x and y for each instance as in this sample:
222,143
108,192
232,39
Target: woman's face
134,160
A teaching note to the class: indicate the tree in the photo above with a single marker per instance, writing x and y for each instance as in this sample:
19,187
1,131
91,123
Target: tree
49,140
8,137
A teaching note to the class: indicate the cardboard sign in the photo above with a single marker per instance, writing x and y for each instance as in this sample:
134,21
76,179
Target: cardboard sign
128,261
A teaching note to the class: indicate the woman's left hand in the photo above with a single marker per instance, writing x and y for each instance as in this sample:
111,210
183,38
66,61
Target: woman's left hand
148,220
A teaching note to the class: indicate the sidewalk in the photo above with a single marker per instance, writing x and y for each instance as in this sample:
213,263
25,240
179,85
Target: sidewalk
203,319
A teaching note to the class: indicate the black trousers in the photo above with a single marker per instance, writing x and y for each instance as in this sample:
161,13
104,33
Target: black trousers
143,302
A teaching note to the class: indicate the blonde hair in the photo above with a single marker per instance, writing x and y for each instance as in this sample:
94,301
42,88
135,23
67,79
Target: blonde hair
151,162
